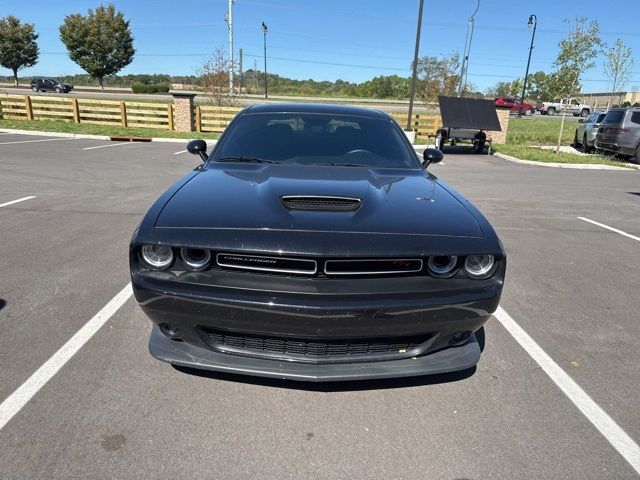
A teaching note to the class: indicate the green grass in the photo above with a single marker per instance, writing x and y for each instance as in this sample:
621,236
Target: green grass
525,152
86,128
540,131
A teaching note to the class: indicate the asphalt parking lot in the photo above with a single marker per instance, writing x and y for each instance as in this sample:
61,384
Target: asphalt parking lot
112,411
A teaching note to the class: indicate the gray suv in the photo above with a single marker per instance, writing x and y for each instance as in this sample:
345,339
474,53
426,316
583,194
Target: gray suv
585,136
619,132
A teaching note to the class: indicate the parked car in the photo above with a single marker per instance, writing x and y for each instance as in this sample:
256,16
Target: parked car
514,104
585,135
570,106
42,84
313,244
619,132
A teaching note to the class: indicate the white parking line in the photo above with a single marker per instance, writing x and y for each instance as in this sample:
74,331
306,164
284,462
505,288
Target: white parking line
181,151
606,425
610,228
17,201
33,141
109,145
18,399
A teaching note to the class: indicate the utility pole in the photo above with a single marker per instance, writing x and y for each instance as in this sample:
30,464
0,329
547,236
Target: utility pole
229,20
264,31
240,71
415,66
467,50
533,21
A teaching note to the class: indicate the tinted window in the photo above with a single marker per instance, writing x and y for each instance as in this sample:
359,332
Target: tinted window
600,117
635,118
317,139
614,116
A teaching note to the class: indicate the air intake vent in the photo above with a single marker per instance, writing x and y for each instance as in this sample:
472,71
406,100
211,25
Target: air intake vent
322,203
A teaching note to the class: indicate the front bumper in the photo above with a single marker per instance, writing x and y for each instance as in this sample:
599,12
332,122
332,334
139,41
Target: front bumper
317,317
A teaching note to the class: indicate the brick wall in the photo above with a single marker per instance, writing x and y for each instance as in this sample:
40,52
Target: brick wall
503,118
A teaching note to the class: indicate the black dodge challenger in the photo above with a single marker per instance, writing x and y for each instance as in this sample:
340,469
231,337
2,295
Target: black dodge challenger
313,244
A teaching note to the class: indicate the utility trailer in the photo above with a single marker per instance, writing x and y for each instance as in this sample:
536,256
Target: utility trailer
467,120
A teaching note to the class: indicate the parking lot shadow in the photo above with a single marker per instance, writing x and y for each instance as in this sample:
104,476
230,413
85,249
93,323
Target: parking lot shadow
464,149
356,385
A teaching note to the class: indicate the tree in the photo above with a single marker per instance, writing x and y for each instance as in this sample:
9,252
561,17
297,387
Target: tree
101,42
18,47
438,76
618,65
215,79
578,52
541,86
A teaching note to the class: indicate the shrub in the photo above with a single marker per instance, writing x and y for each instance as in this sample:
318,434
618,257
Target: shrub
150,87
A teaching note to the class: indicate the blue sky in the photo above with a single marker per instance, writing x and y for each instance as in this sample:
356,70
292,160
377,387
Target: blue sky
352,40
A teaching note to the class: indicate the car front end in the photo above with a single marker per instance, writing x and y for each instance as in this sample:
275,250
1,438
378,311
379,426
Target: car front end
315,271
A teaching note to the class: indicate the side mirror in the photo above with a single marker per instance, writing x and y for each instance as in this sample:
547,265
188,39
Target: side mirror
431,155
198,147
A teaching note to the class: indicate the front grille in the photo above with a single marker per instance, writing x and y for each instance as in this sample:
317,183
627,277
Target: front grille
321,203
263,263
373,266
313,349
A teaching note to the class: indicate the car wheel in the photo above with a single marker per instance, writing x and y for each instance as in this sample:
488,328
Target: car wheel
34,88
636,156
584,112
527,112
551,111
58,90
478,147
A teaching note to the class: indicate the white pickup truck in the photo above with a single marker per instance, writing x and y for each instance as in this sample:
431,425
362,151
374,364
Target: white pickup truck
570,106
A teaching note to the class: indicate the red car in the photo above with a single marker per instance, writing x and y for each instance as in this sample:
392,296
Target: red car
514,105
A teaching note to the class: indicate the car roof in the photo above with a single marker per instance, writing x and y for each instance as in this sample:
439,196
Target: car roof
325,108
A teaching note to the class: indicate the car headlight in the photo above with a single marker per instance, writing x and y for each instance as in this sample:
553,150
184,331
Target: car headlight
480,266
195,259
443,266
157,256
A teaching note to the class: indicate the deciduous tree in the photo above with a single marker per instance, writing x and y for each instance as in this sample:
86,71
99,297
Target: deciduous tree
100,42
618,65
18,47
438,76
578,52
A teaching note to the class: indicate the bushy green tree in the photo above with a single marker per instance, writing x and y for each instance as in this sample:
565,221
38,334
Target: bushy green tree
100,42
18,47
438,76
578,52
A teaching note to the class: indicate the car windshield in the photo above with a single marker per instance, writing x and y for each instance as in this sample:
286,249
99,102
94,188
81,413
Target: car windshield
315,139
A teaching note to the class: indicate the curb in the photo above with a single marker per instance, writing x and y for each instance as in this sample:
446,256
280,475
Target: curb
575,166
93,137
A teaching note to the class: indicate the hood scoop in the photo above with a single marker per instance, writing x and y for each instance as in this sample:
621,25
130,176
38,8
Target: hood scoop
320,203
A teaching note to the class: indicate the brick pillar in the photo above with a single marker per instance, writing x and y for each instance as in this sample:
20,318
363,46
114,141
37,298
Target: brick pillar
503,118
183,110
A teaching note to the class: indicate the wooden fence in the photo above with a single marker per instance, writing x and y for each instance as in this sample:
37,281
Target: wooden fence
207,118
84,110
423,124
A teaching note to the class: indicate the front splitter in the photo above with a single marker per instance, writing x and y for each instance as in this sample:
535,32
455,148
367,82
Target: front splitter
187,355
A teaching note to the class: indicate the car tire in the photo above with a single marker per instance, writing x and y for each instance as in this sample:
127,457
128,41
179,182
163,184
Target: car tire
58,90
34,88
584,112
528,113
636,156
551,111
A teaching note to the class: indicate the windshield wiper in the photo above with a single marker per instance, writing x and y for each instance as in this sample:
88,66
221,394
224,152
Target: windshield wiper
343,164
245,159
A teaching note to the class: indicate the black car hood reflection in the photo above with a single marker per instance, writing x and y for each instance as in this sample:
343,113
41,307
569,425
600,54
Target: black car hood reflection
247,196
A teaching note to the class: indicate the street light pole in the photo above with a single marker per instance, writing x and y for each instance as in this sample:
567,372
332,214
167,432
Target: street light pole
264,31
533,20
415,66
229,20
467,49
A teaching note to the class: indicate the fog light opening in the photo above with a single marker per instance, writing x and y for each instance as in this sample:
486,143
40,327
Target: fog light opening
170,331
443,266
459,337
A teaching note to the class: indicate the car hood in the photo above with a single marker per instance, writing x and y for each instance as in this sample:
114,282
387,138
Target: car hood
248,196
